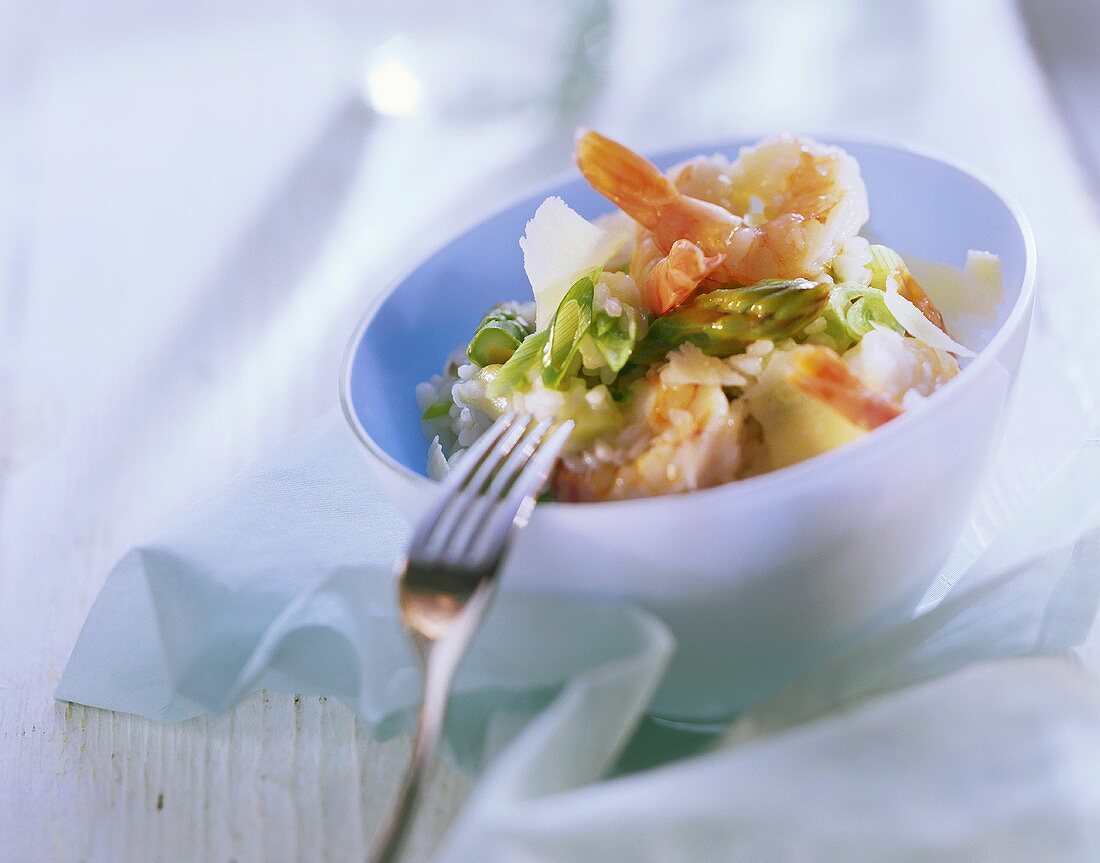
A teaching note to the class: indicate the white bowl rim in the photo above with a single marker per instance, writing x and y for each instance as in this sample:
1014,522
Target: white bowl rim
792,475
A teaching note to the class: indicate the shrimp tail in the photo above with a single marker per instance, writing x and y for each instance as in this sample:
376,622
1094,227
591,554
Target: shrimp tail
910,288
676,277
631,182
821,373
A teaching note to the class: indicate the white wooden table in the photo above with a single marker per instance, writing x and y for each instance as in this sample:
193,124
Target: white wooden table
187,220
103,436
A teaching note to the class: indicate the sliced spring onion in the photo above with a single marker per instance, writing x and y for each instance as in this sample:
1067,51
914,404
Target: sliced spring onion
439,409
884,262
615,337
494,343
570,324
515,374
498,335
854,311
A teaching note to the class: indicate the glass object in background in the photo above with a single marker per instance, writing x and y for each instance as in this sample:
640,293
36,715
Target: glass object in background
519,71
468,103
472,62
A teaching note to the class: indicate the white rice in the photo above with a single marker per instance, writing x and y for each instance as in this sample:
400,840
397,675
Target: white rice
464,421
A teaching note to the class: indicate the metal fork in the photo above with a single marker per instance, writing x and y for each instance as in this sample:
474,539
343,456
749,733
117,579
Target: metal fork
448,576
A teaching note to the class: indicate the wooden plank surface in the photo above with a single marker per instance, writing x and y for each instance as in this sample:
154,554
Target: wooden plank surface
280,778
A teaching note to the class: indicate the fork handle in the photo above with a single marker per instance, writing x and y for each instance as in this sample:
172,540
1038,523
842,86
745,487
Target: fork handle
441,660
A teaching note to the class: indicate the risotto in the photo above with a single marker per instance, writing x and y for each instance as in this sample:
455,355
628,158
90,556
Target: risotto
725,320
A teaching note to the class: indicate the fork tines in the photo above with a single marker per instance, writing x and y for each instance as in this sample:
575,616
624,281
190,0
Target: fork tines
491,488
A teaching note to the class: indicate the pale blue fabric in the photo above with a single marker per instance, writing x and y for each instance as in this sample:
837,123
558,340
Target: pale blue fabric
283,579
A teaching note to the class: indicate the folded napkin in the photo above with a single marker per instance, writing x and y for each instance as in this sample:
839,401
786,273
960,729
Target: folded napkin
283,579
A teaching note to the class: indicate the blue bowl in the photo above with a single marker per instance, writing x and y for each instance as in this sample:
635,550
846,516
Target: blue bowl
783,568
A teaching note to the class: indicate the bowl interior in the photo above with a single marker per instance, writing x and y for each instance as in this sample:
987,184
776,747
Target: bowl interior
919,205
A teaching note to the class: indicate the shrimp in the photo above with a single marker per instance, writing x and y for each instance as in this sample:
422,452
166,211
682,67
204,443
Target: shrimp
911,289
813,199
706,178
644,257
639,188
675,277
821,373
669,280
682,437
